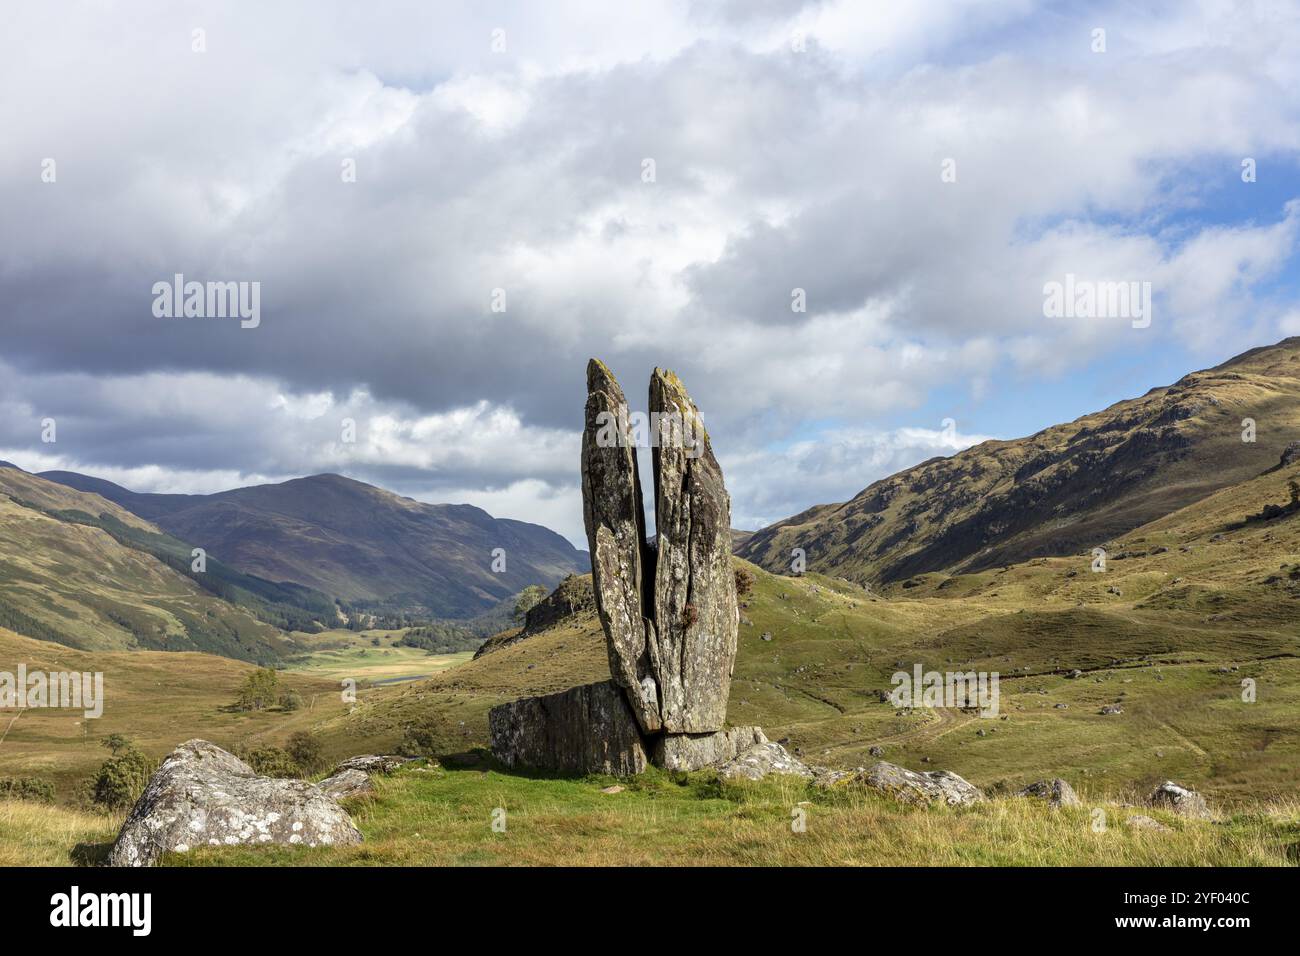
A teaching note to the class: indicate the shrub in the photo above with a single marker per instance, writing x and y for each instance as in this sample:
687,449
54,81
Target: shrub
26,788
305,749
291,700
744,581
121,779
259,690
272,762
419,740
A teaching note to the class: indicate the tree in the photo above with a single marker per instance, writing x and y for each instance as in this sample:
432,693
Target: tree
260,689
1294,488
528,599
116,743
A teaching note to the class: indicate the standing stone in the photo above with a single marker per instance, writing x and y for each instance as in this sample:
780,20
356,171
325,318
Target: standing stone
587,729
621,562
693,646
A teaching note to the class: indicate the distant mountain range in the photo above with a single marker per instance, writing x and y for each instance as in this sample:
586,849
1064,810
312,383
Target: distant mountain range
1063,490
356,542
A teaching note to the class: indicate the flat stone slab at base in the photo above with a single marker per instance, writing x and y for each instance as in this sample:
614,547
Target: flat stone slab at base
697,751
762,760
203,796
587,729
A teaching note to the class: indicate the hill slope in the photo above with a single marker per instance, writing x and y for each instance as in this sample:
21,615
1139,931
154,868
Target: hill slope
357,542
1070,487
68,574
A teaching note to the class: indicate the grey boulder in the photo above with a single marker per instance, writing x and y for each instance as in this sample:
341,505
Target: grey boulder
203,796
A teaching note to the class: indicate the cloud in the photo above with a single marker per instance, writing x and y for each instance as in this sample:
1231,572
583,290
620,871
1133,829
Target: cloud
521,170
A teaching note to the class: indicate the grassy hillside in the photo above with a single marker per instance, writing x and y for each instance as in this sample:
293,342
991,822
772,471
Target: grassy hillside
74,583
1202,604
157,699
1070,487
362,544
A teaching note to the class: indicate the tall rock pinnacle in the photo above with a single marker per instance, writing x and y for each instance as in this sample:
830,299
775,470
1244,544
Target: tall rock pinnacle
695,609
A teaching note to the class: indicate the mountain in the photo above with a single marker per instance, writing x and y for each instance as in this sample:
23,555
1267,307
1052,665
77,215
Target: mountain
80,570
356,542
1066,489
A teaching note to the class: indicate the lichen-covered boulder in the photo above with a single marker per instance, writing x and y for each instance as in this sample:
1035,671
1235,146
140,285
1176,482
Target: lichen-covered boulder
203,796
696,616
621,561
696,751
1184,802
910,786
587,729
1057,793
763,760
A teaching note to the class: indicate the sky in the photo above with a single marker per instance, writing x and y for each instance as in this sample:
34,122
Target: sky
448,208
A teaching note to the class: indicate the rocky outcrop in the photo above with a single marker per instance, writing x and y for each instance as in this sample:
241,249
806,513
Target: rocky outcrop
1184,802
909,786
572,599
697,751
203,796
695,610
587,729
1057,793
621,561
762,760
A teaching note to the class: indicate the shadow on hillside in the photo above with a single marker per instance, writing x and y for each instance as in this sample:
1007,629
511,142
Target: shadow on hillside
480,760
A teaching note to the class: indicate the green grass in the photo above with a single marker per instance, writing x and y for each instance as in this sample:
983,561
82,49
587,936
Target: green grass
426,816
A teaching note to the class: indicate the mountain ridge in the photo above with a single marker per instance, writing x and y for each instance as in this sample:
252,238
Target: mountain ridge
358,542
1064,488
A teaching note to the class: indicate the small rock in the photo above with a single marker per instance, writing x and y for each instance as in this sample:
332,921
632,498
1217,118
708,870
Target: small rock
1111,709
1140,822
614,789
1182,801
